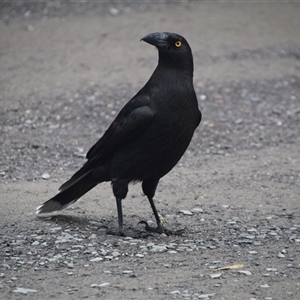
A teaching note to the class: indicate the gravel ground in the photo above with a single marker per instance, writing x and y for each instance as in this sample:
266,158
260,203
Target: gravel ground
67,69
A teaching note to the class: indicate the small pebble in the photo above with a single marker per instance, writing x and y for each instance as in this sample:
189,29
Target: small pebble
271,269
116,254
96,259
159,248
186,295
172,251
205,296
215,276
248,236
6,266
248,273
163,236
46,176
113,11
197,210
109,257
26,15
186,212
30,28
93,236
139,255
24,291
70,265
103,284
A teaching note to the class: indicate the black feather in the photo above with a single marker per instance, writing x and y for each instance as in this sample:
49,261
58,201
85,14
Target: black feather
148,136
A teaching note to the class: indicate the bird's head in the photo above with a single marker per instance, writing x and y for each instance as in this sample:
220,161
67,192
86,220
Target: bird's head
173,49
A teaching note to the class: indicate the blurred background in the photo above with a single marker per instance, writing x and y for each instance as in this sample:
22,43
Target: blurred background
66,69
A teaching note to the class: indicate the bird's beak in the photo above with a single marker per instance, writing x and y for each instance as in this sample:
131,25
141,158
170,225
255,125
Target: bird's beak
157,39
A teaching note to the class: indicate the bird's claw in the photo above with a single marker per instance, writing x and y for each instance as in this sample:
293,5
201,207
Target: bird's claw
160,229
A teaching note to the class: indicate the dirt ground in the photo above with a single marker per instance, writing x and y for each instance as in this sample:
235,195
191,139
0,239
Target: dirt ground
67,69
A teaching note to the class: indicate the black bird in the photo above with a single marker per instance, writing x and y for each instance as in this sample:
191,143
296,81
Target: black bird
148,136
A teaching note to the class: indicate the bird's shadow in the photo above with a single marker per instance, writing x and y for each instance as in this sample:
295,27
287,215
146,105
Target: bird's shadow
79,221
106,227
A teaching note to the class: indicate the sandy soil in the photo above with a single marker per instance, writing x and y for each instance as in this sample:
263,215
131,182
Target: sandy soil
67,69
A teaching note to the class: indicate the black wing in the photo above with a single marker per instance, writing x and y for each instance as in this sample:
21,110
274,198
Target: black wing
132,120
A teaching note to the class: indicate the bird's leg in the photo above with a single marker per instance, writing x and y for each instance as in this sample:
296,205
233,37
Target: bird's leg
120,216
121,226
149,187
159,228
120,220
120,189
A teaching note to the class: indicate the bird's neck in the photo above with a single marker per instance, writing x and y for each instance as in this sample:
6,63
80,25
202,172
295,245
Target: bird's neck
179,75
184,66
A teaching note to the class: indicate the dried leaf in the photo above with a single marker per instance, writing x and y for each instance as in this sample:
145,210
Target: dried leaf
233,267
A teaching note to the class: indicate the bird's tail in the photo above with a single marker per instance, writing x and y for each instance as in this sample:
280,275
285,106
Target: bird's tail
68,195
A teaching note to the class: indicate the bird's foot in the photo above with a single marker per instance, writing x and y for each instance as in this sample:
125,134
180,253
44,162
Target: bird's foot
160,229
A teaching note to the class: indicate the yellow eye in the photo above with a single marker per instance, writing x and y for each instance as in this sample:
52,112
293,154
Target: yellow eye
178,44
